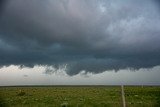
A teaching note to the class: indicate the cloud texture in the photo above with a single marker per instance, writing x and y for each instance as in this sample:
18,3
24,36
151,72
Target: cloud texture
90,35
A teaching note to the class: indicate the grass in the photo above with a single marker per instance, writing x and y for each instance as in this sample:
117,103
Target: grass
82,96
142,96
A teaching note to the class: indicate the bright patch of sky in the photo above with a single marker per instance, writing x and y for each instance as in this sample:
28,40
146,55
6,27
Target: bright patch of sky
13,75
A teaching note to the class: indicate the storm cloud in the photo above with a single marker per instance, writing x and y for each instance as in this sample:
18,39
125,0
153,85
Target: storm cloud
80,35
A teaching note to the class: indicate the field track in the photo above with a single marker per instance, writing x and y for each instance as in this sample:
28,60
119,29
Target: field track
123,96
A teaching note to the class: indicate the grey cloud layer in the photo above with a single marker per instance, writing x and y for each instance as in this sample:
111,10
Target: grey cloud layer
91,35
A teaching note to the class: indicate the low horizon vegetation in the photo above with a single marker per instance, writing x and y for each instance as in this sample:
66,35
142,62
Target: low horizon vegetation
82,96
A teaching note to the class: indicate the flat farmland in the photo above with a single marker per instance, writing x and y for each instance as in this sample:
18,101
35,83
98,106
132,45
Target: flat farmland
79,96
142,96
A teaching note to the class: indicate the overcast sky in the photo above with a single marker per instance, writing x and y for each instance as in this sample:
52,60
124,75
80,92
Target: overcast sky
74,36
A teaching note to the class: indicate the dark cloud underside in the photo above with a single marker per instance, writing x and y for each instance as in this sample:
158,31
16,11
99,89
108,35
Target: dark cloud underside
90,35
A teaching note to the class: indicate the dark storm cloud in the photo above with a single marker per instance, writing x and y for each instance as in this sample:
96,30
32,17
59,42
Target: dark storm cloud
90,35
2,3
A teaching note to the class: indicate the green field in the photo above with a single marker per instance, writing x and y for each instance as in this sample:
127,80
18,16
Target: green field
79,96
